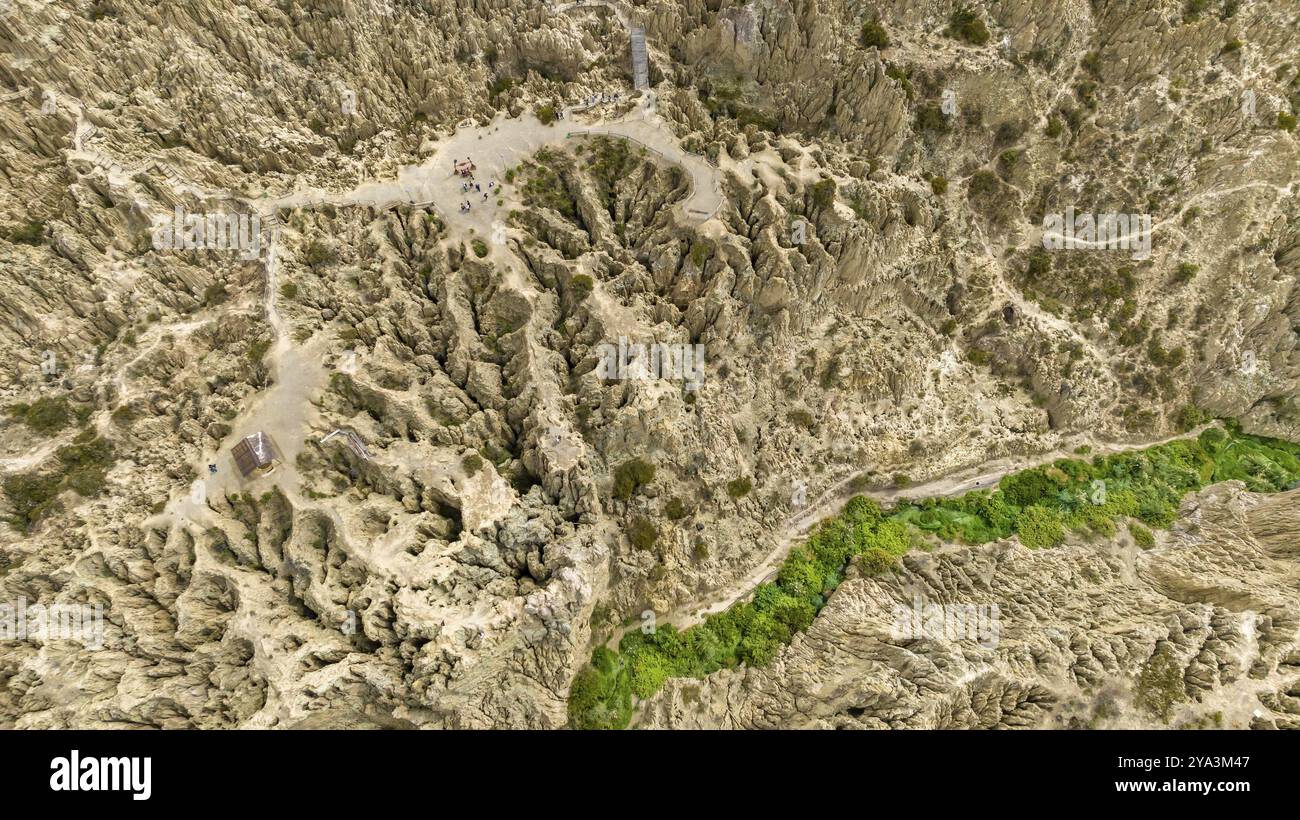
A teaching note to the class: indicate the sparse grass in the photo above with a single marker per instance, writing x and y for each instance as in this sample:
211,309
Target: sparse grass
930,119
545,187
582,286
257,350
31,232
802,418
82,467
1160,683
699,254
215,294
32,497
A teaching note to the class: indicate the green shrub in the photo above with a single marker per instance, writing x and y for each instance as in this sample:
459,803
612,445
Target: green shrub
1143,536
471,463
1189,417
823,193
983,183
319,254
1185,272
930,119
939,185
675,510
1027,487
601,695
546,114
876,561
739,487
480,247
966,25
642,533
874,35
1040,527
630,476
1285,121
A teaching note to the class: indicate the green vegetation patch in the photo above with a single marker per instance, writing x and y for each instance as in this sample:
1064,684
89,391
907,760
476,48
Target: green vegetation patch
46,415
750,632
82,467
1040,505
630,476
966,25
545,187
874,35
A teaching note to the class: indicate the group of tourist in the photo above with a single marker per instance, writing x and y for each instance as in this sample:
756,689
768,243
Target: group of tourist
466,170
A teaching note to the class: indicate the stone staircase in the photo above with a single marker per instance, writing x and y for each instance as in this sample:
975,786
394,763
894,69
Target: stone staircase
640,60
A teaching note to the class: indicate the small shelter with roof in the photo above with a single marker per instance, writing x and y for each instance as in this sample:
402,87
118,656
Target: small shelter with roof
254,455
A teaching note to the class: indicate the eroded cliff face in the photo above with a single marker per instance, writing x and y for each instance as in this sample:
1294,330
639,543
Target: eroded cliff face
872,298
